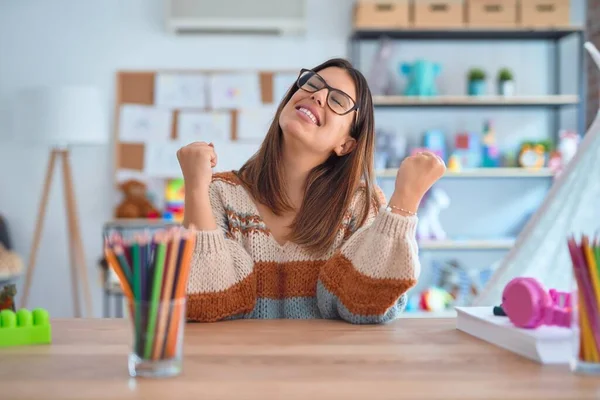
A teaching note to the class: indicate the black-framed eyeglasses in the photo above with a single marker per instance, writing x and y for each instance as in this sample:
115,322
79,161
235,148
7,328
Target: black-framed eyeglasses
339,102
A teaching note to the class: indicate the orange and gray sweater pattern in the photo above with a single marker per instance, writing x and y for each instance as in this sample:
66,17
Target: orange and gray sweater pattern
239,270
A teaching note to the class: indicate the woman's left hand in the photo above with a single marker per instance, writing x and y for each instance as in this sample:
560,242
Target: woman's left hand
416,175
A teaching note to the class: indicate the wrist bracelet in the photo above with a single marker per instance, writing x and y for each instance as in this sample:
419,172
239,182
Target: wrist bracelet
391,207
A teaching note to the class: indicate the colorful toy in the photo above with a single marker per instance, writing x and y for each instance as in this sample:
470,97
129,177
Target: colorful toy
435,299
454,163
555,163
567,145
421,78
174,200
435,141
429,226
468,148
490,157
532,155
7,297
397,149
528,305
25,327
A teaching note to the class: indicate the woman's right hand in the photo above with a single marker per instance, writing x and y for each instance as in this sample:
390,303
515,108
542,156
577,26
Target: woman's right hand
197,161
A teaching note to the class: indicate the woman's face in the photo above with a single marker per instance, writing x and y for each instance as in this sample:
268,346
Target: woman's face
309,119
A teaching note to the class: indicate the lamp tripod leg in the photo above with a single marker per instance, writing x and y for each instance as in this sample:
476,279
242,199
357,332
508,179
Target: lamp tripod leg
78,264
38,229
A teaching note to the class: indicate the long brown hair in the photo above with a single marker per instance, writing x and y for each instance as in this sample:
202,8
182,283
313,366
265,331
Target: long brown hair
331,186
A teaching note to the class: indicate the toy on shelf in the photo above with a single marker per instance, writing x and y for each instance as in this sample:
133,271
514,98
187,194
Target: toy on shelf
490,156
528,305
435,299
435,141
381,149
7,297
25,327
567,147
467,147
461,282
421,78
381,79
532,155
135,203
429,226
174,200
454,163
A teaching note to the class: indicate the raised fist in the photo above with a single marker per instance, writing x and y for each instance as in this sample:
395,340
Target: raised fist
416,175
197,161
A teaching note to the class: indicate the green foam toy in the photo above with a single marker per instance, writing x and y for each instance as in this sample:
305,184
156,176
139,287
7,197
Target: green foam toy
24,327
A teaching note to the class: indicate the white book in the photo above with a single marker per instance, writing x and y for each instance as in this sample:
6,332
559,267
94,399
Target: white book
546,344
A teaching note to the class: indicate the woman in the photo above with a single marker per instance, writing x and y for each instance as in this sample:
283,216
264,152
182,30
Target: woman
301,230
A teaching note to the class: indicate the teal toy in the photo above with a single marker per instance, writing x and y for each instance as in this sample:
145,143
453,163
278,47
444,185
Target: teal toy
421,78
24,327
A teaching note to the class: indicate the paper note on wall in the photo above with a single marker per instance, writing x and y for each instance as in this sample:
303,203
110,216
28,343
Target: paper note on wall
232,155
253,123
180,90
160,159
203,126
140,123
282,82
235,90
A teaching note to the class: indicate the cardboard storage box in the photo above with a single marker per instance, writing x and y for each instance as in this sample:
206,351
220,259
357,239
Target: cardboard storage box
544,13
492,13
439,14
382,14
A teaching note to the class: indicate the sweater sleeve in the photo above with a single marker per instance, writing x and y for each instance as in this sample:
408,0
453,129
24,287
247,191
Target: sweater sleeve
366,280
222,284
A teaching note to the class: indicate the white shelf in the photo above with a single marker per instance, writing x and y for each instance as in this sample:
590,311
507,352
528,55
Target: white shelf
481,244
441,101
484,173
429,314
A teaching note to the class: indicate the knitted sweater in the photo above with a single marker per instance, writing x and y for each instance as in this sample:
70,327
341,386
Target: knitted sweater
239,270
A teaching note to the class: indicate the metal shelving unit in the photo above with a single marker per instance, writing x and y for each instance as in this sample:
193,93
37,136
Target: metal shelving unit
556,101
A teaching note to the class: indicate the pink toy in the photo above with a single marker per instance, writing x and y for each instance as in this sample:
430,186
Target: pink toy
528,305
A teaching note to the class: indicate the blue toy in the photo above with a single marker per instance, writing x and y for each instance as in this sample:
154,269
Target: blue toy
490,152
421,78
435,141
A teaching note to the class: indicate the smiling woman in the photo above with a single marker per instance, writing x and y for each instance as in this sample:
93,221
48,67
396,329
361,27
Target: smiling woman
301,230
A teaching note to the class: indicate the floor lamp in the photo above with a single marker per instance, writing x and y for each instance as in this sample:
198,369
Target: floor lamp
61,118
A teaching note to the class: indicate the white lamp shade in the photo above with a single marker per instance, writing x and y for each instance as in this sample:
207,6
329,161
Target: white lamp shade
60,116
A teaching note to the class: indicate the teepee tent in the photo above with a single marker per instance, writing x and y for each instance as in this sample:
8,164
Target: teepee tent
572,207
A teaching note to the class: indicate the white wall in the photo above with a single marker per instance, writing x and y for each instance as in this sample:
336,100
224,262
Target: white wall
73,41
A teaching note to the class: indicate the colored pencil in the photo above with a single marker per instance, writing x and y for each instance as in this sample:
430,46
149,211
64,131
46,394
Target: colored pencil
152,305
179,293
585,258
153,272
166,295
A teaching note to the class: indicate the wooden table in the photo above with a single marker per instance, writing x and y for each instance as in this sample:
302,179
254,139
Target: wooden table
286,359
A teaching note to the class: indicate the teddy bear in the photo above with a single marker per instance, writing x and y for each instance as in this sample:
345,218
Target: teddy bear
135,204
